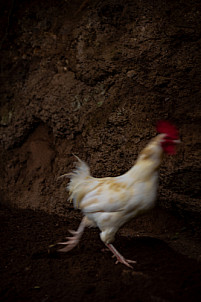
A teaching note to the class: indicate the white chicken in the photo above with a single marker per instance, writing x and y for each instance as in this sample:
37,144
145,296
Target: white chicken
108,203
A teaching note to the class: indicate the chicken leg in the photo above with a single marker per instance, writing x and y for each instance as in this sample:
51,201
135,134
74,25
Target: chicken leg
74,240
119,257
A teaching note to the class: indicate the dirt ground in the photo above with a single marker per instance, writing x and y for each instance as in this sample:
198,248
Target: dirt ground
92,78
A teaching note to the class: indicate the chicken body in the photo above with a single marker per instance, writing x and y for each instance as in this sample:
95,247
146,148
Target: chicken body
110,202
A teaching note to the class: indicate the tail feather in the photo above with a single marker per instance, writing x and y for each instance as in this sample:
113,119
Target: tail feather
78,179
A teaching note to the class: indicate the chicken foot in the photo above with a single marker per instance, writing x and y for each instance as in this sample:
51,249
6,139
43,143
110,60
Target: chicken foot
119,257
74,240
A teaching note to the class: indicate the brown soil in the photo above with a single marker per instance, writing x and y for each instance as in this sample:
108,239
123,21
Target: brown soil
92,78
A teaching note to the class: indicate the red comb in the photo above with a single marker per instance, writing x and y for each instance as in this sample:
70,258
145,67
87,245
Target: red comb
167,128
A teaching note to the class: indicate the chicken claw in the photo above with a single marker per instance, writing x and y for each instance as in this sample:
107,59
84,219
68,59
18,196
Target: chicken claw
71,242
74,240
120,258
